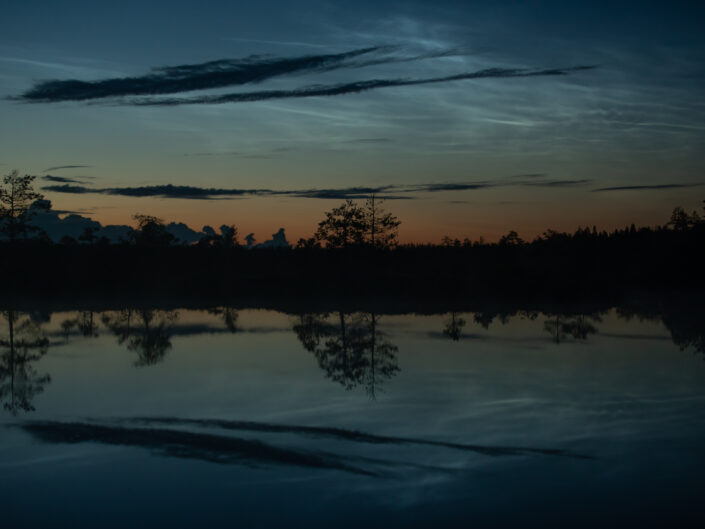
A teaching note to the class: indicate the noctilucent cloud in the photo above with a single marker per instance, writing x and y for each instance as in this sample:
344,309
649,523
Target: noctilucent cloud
472,118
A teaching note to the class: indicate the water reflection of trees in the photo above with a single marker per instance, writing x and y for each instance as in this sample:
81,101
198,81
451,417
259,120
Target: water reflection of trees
454,326
229,316
485,318
24,345
350,348
85,323
687,330
685,321
578,327
146,332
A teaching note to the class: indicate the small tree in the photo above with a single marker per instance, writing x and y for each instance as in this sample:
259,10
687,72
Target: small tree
16,198
308,244
343,226
382,227
89,235
680,220
226,239
150,231
511,239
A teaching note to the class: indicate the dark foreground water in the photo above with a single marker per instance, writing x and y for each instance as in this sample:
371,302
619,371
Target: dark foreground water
155,418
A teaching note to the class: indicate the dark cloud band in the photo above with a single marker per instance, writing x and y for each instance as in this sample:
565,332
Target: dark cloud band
390,192
62,179
214,74
59,167
347,88
204,193
187,77
235,72
655,187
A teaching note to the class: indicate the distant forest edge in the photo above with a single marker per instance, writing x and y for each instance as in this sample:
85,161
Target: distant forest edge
354,253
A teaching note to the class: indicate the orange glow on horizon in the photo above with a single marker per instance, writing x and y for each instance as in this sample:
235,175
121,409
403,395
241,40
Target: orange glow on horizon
423,220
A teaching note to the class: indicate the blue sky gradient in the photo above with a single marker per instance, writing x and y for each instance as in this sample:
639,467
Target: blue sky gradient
632,127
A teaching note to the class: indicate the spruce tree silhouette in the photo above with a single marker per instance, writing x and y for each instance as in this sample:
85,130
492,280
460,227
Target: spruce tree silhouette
382,227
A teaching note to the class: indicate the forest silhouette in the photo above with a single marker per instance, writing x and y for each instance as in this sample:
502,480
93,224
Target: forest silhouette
354,252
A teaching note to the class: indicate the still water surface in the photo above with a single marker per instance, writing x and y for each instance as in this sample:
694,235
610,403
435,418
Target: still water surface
178,418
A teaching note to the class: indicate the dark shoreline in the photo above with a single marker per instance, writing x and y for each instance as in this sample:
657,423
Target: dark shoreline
639,302
582,272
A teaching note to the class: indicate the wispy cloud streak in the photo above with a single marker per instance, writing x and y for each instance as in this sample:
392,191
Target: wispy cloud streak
62,179
167,80
214,74
348,88
59,167
174,443
557,183
654,187
389,192
187,77
342,434
206,193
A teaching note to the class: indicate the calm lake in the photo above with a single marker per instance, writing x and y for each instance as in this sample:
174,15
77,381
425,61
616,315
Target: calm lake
256,418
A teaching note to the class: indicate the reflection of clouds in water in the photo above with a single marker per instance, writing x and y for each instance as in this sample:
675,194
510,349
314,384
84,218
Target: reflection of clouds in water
452,429
343,434
395,459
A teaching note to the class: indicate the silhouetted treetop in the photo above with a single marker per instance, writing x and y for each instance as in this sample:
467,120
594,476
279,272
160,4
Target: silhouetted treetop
16,198
343,226
227,238
511,239
382,227
353,225
151,231
680,220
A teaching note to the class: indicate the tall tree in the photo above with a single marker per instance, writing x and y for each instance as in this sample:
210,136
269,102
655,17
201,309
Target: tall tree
382,227
16,197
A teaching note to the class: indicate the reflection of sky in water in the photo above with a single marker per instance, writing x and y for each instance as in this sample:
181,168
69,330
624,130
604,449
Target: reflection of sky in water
625,396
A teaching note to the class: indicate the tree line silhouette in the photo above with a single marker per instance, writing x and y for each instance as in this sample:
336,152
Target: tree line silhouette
354,251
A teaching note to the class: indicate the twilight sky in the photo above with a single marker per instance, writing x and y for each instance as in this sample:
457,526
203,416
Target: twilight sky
472,117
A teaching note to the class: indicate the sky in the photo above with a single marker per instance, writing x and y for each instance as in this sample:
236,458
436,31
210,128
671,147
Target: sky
471,118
